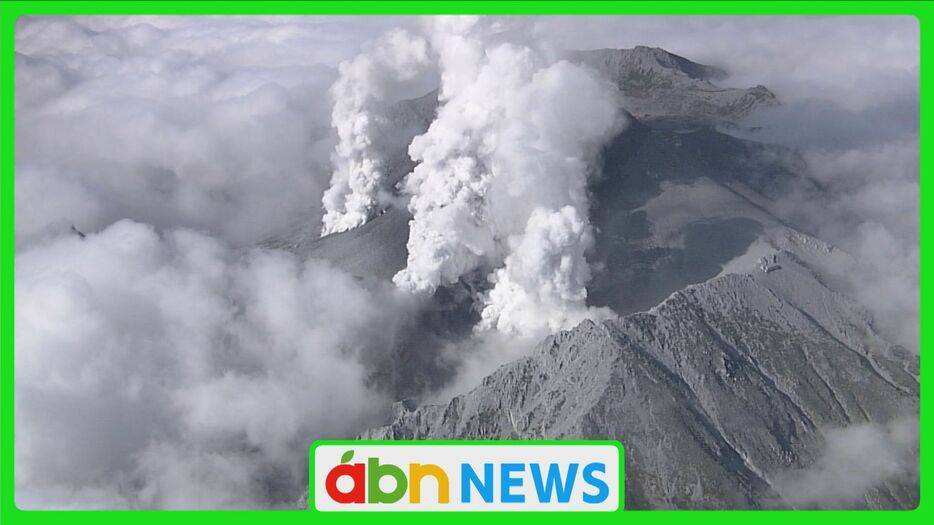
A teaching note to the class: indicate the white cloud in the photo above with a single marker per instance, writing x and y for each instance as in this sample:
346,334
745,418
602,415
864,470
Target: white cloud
135,351
855,459
214,123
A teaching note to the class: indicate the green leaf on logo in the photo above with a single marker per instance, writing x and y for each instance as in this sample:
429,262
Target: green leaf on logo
347,456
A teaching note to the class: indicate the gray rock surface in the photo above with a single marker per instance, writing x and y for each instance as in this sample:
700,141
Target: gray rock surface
661,86
714,391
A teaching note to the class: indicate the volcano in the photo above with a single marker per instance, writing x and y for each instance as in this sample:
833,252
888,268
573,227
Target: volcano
734,352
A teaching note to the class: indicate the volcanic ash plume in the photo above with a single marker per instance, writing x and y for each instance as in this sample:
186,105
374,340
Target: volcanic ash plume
508,157
360,99
543,285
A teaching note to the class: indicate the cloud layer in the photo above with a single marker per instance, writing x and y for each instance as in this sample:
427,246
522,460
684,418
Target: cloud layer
184,373
855,459
218,124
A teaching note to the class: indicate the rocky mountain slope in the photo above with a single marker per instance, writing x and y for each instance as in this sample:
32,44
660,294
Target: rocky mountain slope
714,391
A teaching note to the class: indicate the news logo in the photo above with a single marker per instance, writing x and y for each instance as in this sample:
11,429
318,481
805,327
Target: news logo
367,476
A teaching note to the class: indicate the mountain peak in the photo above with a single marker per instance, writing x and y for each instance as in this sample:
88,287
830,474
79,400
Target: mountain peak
656,59
662,86
675,62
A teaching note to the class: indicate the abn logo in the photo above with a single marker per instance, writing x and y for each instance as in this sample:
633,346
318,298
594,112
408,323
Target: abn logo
367,476
465,476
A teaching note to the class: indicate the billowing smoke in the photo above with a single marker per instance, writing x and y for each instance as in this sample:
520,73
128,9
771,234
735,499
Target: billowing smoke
510,151
543,285
361,95
174,372
508,157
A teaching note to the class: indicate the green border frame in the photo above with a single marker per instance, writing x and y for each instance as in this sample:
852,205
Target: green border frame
501,514
10,10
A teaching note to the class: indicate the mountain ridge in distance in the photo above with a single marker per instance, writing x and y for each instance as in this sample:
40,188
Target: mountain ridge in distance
670,90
